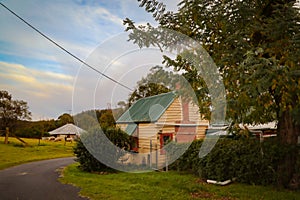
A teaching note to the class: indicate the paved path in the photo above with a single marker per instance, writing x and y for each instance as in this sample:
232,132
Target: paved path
36,181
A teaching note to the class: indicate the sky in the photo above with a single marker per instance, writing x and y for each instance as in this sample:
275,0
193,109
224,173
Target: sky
52,82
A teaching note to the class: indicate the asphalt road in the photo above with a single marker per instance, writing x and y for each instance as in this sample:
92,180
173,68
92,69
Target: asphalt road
37,180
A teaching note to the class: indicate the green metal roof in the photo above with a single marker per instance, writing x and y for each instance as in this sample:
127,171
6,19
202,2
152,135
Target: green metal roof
130,128
148,109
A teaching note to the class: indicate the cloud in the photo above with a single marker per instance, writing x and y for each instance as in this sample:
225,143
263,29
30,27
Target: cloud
106,15
17,70
35,70
34,83
78,28
46,92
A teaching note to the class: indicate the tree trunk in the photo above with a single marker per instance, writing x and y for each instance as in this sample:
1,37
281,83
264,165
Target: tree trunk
6,135
288,132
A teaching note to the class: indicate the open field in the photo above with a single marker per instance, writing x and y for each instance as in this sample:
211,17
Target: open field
16,153
164,185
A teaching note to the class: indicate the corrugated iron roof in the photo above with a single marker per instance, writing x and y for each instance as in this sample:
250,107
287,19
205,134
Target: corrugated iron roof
67,129
148,109
130,128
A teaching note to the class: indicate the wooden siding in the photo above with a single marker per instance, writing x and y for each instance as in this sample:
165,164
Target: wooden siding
168,129
201,132
147,132
172,114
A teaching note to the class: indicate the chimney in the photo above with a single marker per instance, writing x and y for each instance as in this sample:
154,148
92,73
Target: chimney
185,111
184,106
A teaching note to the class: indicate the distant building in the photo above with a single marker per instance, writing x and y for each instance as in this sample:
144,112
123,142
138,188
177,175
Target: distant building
68,131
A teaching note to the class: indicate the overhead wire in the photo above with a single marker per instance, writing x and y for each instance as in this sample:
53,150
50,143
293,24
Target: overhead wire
63,49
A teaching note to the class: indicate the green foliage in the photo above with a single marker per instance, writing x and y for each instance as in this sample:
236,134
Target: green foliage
11,110
256,46
34,129
106,118
94,118
94,145
87,161
156,82
189,161
64,119
245,159
86,119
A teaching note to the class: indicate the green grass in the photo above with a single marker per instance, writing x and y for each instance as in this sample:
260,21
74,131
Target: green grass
164,185
16,153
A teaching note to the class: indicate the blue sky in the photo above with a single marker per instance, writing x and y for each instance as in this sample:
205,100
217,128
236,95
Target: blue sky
34,70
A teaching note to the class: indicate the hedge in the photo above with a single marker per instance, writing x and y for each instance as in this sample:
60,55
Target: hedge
245,159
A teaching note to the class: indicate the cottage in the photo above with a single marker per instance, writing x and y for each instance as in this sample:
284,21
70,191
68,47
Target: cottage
156,120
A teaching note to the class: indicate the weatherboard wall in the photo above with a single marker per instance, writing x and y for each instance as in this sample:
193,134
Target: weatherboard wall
172,114
146,133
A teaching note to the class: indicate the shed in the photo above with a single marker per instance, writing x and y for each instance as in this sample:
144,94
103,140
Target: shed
67,130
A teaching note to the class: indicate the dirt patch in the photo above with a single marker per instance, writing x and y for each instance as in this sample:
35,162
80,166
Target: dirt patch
203,195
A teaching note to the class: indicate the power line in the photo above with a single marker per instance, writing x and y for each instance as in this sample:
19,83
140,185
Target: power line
64,49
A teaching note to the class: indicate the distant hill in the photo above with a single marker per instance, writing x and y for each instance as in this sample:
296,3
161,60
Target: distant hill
85,120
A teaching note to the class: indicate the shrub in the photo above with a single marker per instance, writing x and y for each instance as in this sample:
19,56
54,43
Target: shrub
189,161
245,159
97,145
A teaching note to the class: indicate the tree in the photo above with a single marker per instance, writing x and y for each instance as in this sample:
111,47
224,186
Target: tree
34,129
86,120
256,46
65,119
156,82
106,119
11,111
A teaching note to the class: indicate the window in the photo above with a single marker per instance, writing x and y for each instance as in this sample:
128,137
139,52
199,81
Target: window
165,138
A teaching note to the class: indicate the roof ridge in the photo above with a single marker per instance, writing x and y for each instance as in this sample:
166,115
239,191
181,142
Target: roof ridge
157,95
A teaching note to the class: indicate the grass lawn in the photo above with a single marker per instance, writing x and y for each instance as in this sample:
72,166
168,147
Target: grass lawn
16,153
164,185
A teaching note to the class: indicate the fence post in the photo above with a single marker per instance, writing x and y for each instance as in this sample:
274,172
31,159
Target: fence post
6,135
150,154
167,161
156,156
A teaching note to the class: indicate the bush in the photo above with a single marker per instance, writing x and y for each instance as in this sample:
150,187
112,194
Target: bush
97,144
245,159
189,161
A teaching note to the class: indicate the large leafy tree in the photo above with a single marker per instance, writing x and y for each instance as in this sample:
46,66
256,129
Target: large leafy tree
256,46
11,111
65,119
156,82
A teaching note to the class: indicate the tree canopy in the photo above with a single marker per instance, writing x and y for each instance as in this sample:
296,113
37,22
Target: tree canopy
12,110
65,119
256,47
156,82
